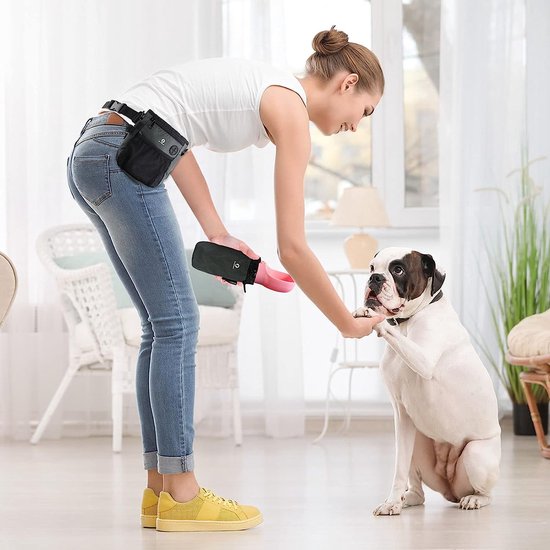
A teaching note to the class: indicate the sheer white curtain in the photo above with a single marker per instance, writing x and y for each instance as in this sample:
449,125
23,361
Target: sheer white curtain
60,61
493,103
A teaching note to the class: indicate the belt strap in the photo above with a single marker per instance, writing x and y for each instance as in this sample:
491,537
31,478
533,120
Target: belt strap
123,109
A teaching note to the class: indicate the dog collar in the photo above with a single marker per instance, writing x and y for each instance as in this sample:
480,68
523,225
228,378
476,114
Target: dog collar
394,321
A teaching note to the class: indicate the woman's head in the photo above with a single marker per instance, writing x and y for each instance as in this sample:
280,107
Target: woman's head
349,79
334,54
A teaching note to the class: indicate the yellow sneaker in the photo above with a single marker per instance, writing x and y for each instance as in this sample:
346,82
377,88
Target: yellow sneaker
149,504
206,512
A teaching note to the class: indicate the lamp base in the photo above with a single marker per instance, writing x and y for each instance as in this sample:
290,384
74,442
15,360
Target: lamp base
360,249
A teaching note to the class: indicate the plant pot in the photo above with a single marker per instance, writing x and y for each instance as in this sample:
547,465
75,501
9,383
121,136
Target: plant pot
523,425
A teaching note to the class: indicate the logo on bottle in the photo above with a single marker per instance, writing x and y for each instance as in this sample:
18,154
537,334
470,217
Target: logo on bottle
236,265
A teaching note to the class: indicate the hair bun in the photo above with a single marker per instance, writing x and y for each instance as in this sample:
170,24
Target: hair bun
329,42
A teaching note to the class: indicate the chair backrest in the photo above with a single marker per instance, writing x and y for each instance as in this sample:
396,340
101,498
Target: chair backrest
8,285
67,240
75,255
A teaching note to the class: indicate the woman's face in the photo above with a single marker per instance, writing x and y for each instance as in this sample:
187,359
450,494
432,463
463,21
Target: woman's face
344,107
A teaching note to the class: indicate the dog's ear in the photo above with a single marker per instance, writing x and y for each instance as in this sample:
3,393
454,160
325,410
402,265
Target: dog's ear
430,270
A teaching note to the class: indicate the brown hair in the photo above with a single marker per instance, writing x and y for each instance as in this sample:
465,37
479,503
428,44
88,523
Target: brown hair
334,53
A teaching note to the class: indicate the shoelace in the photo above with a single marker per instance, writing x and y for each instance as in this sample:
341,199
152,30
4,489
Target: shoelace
219,500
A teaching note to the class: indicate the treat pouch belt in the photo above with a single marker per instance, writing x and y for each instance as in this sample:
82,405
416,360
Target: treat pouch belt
232,265
152,147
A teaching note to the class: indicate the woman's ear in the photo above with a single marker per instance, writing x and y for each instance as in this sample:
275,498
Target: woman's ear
349,82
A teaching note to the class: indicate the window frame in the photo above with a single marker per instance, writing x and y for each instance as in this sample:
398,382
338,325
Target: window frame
388,135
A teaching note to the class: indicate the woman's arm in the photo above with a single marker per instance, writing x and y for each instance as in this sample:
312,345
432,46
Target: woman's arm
192,184
286,119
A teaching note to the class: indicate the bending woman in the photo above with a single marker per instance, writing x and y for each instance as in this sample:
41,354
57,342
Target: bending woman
225,105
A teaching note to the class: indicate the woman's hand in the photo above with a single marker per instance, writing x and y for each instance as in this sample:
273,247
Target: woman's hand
361,326
232,242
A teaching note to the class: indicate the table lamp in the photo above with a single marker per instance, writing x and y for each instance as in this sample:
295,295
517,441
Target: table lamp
360,207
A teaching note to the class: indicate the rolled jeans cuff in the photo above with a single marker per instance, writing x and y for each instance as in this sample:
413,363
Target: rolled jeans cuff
150,460
176,464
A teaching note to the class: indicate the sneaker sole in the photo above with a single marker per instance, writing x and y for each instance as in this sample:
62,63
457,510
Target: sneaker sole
148,521
202,525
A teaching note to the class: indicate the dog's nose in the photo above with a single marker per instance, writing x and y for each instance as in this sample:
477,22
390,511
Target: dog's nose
376,279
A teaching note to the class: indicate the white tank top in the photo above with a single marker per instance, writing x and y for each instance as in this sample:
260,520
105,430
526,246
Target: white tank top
212,102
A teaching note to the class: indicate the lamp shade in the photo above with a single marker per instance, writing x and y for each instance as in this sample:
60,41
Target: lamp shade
360,207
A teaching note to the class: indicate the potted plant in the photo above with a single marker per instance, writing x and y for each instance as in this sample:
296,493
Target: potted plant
520,277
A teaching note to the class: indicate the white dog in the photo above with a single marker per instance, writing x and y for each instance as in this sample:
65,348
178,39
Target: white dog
446,425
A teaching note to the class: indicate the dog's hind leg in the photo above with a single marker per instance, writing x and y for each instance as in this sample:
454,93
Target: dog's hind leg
477,471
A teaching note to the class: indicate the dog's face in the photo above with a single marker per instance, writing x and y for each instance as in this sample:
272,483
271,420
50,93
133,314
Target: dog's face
401,281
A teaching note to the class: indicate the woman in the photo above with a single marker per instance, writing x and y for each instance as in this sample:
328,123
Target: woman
225,105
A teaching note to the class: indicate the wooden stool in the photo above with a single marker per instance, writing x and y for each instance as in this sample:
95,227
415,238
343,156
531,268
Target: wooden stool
538,373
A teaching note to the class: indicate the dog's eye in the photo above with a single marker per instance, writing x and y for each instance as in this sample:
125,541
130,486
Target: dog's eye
371,268
398,270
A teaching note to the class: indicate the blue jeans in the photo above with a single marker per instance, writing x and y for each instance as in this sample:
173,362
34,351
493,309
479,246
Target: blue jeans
139,229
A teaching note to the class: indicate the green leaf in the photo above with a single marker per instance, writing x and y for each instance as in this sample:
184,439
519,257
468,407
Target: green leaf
519,274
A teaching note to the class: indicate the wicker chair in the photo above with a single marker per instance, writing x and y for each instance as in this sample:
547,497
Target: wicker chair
8,286
96,341
529,347
105,330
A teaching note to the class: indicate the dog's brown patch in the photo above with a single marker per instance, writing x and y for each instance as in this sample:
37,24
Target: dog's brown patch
414,281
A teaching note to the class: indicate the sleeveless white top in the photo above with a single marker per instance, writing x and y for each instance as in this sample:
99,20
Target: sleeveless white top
212,102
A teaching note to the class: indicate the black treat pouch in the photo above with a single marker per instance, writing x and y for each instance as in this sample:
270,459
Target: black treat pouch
231,265
151,150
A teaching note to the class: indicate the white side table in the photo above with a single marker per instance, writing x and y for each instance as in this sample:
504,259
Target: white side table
345,354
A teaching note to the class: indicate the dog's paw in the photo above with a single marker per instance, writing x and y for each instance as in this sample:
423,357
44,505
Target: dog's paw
363,312
473,502
389,508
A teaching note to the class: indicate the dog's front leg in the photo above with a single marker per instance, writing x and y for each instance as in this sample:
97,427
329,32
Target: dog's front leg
405,433
420,358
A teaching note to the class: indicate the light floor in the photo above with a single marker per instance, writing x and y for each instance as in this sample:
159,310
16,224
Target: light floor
74,494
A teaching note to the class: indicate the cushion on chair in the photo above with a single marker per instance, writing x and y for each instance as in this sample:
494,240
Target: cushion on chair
531,336
208,290
218,326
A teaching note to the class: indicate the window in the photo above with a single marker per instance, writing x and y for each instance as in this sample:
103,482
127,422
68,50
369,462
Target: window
421,101
405,128
397,150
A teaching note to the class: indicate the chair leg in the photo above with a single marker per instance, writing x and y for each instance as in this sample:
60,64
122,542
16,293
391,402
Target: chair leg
327,406
117,404
53,404
535,416
348,403
237,419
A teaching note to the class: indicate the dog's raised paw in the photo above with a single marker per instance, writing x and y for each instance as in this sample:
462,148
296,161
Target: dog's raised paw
388,508
473,502
362,312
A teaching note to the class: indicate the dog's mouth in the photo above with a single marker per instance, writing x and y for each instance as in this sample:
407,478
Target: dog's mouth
373,302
